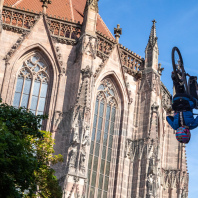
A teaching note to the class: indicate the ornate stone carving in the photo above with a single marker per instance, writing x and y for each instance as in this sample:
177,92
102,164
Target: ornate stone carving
89,46
18,19
136,147
175,178
75,139
106,91
64,32
104,46
156,84
85,142
86,73
128,87
60,60
150,185
130,149
73,154
131,62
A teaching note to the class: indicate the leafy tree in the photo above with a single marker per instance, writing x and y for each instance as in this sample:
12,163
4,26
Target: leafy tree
25,156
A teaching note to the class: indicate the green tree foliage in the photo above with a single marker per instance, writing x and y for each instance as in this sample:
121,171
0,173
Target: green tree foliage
25,156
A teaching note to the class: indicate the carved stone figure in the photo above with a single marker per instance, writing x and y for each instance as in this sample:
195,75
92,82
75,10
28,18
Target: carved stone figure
82,161
72,158
75,138
150,184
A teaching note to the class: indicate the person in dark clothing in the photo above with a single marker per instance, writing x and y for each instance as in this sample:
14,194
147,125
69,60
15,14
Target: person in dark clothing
183,104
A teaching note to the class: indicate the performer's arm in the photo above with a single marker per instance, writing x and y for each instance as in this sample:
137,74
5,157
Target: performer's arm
170,120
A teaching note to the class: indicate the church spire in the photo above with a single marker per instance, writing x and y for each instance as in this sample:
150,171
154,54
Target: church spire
151,52
152,38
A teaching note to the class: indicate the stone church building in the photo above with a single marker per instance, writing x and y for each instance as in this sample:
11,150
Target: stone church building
107,106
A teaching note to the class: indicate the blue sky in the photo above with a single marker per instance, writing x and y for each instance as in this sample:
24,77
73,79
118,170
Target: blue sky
176,26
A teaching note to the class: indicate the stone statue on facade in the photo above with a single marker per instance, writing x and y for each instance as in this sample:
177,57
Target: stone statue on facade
85,142
73,152
150,182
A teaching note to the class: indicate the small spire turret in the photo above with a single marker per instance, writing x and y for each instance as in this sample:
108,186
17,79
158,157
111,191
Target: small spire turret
151,52
152,38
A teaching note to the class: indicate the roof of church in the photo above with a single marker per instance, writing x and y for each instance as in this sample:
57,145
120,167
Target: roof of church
67,9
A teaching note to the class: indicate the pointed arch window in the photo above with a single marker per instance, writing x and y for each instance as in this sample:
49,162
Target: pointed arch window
32,84
101,141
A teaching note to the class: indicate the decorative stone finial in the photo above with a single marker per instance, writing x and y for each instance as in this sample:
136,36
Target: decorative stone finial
154,22
117,32
45,4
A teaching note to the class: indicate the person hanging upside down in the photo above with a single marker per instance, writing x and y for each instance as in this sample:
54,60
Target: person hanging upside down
183,105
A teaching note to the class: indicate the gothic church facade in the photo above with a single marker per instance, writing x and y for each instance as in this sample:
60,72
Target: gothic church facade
106,105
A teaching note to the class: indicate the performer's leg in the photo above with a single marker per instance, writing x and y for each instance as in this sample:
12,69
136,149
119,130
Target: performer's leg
178,88
193,84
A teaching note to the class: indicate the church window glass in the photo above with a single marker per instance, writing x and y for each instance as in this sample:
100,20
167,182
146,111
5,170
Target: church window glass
32,84
101,141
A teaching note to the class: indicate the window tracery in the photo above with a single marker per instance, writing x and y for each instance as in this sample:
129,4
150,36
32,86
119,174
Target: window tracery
102,140
32,84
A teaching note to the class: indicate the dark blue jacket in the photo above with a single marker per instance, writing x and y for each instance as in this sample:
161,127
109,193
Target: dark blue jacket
186,115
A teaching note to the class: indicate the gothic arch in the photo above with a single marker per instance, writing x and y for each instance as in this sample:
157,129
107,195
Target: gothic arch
13,68
37,46
119,99
121,89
